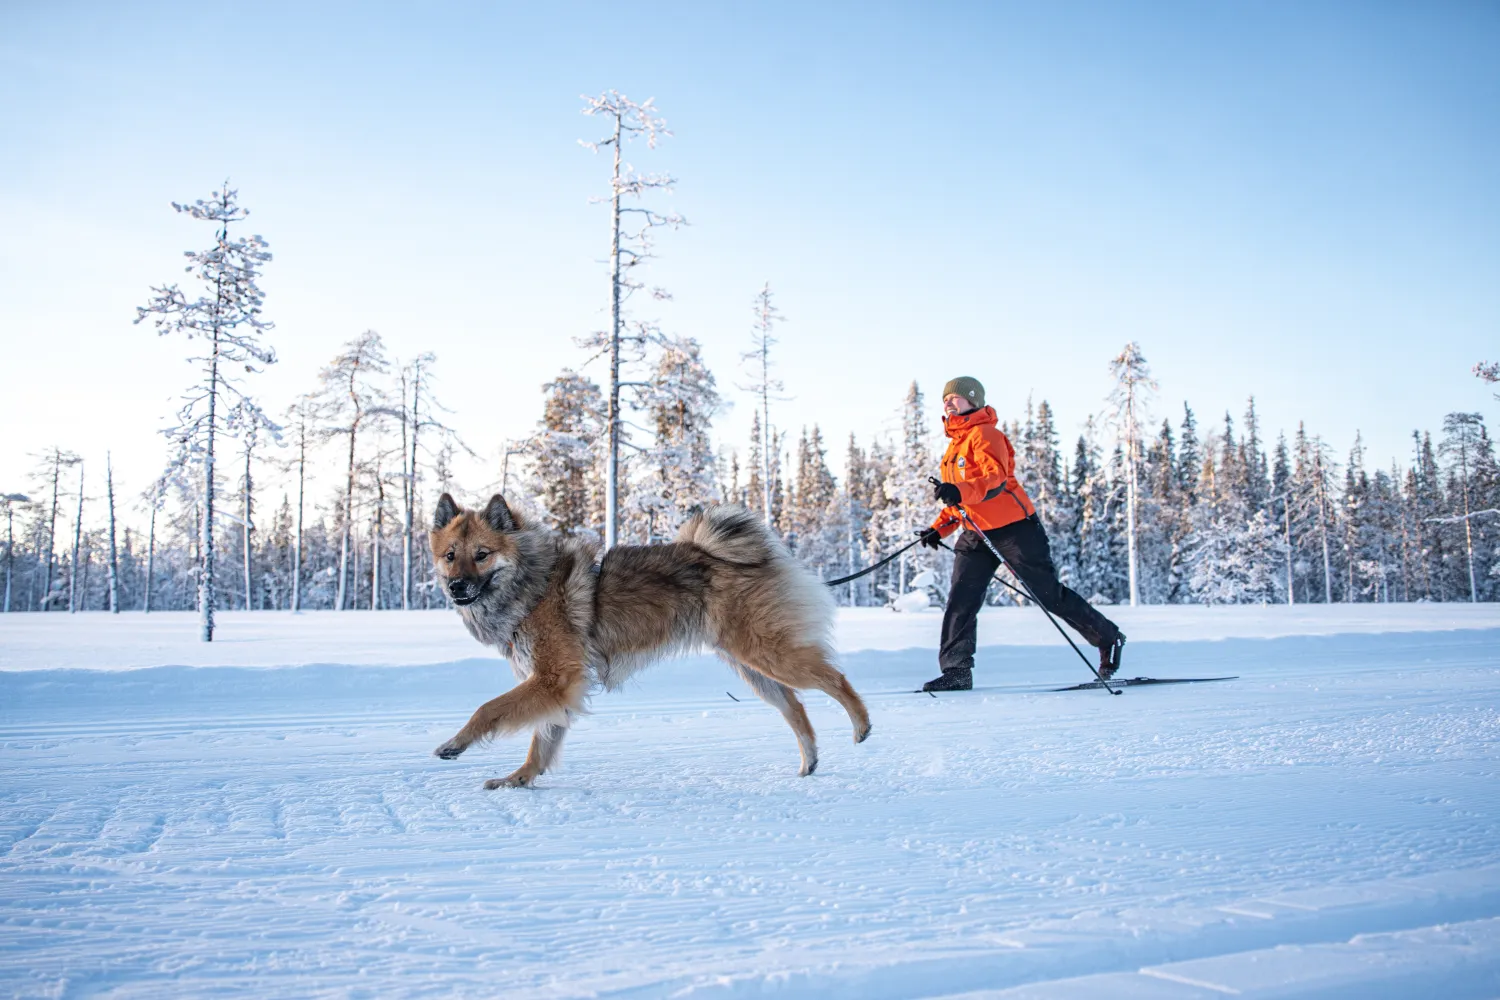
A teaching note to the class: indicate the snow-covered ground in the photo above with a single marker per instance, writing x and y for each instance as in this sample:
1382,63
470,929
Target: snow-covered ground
178,820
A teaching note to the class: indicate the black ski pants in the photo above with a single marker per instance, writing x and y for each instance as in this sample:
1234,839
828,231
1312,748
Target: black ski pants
1024,546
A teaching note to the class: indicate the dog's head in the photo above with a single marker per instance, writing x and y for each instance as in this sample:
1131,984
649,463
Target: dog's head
474,550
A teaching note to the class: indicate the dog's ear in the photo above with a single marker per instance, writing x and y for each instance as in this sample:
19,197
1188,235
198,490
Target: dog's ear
446,511
497,514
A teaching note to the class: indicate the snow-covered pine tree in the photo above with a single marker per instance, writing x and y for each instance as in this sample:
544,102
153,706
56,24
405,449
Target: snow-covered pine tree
679,399
631,229
1189,457
566,462
764,385
1281,510
820,521
1094,531
1133,386
352,395
1354,504
226,317
908,494
1461,437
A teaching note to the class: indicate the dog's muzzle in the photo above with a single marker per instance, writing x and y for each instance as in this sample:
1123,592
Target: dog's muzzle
464,591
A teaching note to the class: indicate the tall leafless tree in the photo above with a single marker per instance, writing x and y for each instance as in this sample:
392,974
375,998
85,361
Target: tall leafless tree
352,395
73,600
631,227
226,317
758,360
114,557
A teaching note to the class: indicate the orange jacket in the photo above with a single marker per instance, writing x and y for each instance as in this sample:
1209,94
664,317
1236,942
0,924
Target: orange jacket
982,464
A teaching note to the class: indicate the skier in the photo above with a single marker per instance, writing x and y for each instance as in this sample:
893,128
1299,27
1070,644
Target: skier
978,471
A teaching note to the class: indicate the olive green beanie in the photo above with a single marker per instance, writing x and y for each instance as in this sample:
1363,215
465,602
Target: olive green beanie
967,387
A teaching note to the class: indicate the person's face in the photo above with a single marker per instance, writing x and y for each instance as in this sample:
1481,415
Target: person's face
954,404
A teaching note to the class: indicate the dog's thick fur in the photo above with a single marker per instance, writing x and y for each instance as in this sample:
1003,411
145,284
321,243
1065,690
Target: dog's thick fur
568,622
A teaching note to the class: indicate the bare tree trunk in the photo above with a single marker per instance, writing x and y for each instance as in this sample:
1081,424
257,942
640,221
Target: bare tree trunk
1286,509
77,537
1323,530
10,551
612,465
245,526
376,528
1463,461
1130,499
44,603
416,429
301,494
345,538
114,559
406,504
150,561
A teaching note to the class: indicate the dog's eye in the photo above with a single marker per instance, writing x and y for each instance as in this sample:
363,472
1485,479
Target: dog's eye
449,557
481,556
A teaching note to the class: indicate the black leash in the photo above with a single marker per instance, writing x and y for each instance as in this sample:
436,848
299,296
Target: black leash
870,569
996,553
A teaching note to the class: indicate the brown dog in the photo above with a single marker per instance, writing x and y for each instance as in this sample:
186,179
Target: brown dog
567,621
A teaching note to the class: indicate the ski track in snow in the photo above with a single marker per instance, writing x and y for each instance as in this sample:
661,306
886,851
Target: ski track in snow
1327,825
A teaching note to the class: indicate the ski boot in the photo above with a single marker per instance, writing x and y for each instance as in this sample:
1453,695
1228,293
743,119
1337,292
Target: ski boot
1109,656
951,680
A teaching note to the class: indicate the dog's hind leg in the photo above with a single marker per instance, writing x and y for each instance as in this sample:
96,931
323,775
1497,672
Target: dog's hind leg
808,667
785,701
546,741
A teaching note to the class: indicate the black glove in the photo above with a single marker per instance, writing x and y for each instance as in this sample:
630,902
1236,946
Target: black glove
931,538
947,494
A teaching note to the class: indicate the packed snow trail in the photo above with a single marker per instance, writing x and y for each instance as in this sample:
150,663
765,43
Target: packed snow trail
1324,826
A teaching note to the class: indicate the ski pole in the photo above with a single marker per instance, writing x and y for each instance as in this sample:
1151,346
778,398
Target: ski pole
1031,594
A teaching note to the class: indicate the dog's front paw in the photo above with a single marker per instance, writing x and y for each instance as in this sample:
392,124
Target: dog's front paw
517,780
451,749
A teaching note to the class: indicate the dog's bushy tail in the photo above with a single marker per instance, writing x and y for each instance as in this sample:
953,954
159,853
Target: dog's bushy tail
732,533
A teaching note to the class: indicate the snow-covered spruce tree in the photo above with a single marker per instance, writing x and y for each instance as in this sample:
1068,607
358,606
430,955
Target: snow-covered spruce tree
679,401
225,318
1281,510
1461,437
909,503
352,395
1133,385
631,228
565,460
1095,540
758,364
819,522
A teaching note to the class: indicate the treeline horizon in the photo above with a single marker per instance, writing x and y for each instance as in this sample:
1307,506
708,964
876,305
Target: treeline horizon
1223,516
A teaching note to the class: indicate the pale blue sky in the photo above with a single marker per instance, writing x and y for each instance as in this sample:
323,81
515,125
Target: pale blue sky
1298,201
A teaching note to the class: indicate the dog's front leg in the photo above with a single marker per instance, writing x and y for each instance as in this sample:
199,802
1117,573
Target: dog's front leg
528,703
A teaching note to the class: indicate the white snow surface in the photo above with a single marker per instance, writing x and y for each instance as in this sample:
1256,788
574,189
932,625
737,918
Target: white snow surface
178,820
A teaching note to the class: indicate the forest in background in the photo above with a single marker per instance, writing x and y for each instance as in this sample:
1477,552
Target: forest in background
324,503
